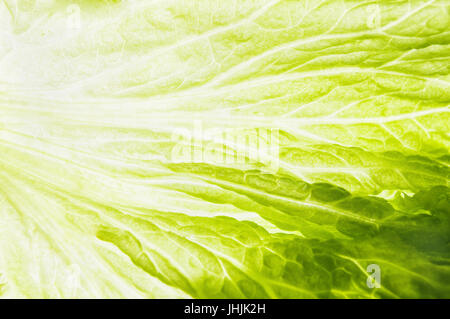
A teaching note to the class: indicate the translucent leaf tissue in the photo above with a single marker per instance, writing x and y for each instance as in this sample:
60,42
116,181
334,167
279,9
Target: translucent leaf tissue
224,149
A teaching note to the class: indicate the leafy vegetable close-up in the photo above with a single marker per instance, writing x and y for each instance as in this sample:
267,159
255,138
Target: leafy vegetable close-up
224,149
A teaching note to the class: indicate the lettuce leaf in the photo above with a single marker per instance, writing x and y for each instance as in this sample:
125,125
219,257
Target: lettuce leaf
224,149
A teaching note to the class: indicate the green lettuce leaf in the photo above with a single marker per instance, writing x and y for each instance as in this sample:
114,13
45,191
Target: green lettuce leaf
224,149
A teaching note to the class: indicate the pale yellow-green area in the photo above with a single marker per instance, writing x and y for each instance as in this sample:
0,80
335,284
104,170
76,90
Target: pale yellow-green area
136,159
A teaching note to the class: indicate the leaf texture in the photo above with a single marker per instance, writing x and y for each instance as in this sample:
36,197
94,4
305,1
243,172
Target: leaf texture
103,103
